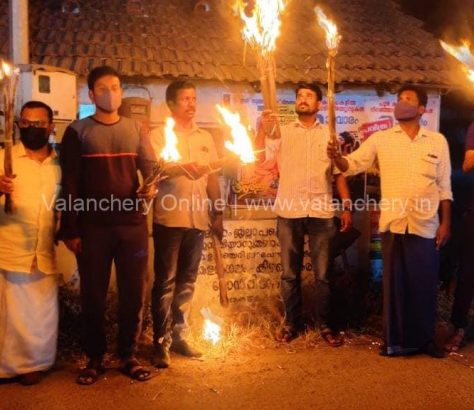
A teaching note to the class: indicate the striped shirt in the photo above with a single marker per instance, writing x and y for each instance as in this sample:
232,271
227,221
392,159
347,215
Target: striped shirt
305,187
99,164
182,202
415,176
27,236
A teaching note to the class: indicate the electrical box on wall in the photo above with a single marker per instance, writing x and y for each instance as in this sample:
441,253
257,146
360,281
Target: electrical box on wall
136,107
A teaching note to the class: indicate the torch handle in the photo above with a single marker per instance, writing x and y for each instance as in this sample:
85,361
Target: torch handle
269,93
331,100
7,160
216,246
8,204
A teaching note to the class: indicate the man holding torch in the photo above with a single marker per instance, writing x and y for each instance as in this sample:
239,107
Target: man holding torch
184,208
304,206
28,274
416,200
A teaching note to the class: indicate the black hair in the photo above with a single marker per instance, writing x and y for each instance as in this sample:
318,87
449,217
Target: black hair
310,86
420,93
174,87
38,104
99,72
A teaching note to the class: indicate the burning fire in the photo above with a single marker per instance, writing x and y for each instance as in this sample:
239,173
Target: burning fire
170,151
464,55
261,22
332,35
212,326
6,70
241,144
212,331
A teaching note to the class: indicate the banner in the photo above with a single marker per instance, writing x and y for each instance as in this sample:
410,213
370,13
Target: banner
252,264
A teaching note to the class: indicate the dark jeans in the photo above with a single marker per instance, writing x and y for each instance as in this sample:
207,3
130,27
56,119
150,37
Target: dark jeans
178,252
465,284
410,285
291,233
127,246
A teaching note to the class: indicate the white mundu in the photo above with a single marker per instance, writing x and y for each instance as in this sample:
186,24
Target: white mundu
28,274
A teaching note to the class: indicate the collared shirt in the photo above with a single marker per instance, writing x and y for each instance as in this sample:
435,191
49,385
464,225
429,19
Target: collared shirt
27,236
182,202
305,187
415,176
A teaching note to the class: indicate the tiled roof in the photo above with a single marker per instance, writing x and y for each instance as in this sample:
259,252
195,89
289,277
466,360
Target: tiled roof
166,38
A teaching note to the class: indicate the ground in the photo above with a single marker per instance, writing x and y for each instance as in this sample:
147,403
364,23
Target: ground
264,374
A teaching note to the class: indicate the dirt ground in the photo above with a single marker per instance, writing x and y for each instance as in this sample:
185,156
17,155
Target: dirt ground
264,375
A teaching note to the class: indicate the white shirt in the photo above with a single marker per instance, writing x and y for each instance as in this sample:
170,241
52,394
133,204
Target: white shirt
305,187
415,176
182,202
27,236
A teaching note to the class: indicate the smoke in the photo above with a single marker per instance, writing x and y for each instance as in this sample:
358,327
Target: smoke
450,20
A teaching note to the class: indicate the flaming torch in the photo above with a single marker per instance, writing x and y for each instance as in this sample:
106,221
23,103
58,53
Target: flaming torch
169,153
9,78
241,144
464,55
332,42
261,28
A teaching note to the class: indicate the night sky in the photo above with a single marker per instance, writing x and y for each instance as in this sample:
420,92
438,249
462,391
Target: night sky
451,20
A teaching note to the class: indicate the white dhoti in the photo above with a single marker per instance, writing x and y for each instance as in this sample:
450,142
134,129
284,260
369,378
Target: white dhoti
28,322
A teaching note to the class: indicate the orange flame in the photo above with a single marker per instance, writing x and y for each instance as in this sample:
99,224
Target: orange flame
212,326
170,151
462,54
241,144
6,69
332,35
261,23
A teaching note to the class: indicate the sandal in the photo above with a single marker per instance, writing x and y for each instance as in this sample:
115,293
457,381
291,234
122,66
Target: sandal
90,374
286,334
332,338
133,369
456,341
28,379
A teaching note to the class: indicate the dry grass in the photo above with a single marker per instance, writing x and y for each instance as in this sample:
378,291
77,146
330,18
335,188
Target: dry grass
247,327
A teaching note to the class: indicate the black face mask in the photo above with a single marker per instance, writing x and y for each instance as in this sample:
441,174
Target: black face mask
34,138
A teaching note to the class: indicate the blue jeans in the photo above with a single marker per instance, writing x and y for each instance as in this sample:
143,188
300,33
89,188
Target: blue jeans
291,233
177,255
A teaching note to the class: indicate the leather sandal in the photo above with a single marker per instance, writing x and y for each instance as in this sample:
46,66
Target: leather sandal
456,341
133,369
286,334
332,338
28,379
90,374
